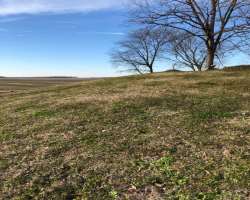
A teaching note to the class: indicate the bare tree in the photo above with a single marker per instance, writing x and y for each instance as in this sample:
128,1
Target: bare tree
141,50
217,23
188,52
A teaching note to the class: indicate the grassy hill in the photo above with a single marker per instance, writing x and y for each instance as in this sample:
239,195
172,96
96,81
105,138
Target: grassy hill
162,136
237,68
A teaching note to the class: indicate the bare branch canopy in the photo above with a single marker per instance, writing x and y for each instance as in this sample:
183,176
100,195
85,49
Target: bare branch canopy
140,50
215,22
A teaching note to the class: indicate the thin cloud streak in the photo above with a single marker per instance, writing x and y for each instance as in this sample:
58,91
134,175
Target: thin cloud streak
15,7
7,19
3,30
102,33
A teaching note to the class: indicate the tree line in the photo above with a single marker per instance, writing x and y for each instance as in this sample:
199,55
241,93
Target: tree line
191,33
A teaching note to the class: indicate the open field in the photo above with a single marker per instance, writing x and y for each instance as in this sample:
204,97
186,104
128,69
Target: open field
13,85
162,136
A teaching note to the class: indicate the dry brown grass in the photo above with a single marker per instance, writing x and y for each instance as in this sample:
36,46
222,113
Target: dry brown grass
161,136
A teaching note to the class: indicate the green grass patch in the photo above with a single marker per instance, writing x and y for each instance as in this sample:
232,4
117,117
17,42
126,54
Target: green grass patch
216,108
43,113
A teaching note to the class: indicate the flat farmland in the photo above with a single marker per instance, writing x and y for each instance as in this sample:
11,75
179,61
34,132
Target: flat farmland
15,85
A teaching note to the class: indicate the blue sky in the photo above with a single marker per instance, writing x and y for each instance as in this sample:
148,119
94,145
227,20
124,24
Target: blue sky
62,37
53,41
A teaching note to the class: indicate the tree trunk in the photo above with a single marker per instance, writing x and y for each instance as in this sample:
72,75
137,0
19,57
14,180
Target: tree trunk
151,69
210,59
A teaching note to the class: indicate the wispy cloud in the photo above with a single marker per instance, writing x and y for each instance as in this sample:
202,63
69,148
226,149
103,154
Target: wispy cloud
7,19
113,33
3,30
13,7
102,33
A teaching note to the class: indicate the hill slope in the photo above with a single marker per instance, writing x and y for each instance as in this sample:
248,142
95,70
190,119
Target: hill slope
162,136
237,68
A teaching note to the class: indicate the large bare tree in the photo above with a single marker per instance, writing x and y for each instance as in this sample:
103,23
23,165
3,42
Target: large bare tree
140,50
190,52
217,23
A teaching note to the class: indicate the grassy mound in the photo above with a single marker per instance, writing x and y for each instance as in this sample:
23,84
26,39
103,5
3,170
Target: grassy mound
161,136
237,68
